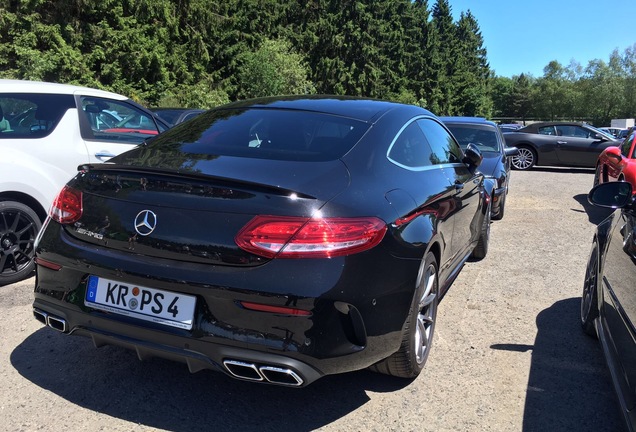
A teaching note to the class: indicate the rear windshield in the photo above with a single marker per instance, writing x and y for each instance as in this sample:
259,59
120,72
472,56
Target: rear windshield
483,136
276,134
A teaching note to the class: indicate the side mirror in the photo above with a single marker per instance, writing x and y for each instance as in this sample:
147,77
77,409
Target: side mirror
613,153
511,151
472,156
611,195
598,136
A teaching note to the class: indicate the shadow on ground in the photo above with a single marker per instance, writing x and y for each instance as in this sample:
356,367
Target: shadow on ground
164,395
595,214
569,386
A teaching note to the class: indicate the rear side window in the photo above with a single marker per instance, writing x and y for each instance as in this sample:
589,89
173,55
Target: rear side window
411,149
422,143
115,121
276,134
31,115
445,148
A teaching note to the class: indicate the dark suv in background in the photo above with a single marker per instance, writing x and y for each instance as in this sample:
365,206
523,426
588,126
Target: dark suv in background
487,137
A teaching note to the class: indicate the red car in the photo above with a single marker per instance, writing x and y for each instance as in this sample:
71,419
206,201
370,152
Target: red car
618,163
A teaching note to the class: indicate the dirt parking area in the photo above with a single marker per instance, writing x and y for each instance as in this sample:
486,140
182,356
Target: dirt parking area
508,353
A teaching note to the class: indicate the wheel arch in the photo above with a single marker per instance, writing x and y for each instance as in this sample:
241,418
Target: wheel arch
436,249
27,200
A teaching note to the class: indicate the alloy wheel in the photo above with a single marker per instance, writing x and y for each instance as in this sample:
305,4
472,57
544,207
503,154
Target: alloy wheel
19,227
589,309
427,311
524,160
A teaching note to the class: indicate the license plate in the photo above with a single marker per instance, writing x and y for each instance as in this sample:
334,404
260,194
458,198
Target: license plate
149,304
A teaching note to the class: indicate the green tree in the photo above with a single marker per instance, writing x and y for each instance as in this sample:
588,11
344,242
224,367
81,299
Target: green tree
502,97
417,55
471,72
273,69
441,43
603,87
522,96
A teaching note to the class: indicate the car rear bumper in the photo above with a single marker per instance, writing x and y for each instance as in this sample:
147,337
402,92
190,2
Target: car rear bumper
237,362
357,312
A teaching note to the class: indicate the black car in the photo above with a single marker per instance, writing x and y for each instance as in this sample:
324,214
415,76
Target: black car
558,144
276,240
608,309
488,138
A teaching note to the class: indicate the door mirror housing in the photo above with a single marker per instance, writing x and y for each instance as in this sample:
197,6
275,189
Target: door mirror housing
511,151
599,137
614,153
613,195
472,156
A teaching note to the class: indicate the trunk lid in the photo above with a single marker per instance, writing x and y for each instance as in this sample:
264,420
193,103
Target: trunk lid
189,216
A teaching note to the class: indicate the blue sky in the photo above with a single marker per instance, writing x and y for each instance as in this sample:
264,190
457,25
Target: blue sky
524,36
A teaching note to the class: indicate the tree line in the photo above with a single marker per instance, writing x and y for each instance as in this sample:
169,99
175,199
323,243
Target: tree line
203,53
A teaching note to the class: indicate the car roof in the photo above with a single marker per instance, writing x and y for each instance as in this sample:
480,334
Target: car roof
471,120
557,123
363,109
25,86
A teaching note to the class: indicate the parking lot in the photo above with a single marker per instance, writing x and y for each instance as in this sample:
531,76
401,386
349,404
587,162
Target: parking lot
508,352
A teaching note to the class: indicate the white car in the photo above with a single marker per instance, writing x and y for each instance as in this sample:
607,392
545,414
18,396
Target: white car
47,130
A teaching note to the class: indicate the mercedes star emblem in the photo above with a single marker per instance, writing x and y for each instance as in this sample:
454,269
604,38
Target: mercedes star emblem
145,222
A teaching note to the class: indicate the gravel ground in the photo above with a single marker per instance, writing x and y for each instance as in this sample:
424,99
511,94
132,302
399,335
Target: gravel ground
508,353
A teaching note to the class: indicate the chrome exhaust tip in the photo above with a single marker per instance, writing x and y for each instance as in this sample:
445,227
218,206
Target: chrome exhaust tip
56,323
282,376
246,371
40,315
271,374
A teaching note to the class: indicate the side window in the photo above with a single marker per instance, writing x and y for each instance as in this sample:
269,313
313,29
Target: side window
115,121
580,132
626,147
546,130
28,115
445,148
411,149
572,131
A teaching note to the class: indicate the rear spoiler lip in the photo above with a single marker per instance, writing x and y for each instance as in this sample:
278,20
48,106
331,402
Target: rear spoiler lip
187,175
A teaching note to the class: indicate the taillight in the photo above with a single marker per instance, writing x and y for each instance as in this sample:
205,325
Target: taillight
67,206
297,237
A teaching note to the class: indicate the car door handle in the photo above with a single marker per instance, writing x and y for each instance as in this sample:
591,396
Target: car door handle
562,142
104,154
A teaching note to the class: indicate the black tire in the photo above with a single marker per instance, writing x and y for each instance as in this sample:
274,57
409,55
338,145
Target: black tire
481,249
417,339
526,159
19,226
502,206
589,298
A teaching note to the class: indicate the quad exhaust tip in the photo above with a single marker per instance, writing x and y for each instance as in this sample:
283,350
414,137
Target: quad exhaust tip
263,373
49,320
